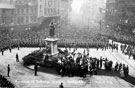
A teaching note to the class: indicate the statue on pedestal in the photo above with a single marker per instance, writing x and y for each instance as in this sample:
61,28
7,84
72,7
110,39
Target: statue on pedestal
51,41
52,30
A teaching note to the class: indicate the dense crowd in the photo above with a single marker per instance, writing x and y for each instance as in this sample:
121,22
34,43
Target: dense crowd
69,65
66,35
78,64
123,37
5,83
69,35
122,69
68,38
128,50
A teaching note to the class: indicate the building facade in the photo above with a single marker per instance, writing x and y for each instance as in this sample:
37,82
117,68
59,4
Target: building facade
7,15
120,15
48,10
7,18
30,13
65,10
26,13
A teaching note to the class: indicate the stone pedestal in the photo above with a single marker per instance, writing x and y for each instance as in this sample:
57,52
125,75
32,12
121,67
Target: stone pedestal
53,45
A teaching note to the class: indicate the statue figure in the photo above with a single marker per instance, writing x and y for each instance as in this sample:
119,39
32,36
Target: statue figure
52,30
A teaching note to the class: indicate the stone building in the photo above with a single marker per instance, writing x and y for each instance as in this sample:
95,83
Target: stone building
65,10
48,10
26,14
29,13
120,15
7,15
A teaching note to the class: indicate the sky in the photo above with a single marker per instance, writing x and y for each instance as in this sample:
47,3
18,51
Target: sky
86,12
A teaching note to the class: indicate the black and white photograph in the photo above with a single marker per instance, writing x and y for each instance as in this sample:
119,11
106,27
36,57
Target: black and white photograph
67,43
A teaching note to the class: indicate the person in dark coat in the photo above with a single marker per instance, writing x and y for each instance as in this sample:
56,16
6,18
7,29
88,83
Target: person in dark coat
61,85
116,66
17,58
97,63
126,71
95,71
101,62
2,51
8,70
36,69
18,47
10,50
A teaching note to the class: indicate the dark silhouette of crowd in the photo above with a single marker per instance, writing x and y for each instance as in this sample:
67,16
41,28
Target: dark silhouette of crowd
4,83
128,50
122,69
77,64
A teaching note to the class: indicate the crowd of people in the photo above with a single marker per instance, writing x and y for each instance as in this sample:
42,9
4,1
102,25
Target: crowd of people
78,64
123,37
83,64
122,69
128,50
31,38
76,36
5,83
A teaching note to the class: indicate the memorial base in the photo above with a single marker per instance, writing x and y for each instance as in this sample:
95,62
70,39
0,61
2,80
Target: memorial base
53,45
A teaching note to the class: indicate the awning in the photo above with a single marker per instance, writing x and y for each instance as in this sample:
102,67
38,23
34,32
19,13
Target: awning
6,6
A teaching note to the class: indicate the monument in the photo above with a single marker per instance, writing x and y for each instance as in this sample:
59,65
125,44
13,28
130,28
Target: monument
51,41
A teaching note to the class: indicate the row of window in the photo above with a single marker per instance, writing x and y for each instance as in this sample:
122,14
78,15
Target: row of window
7,13
120,1
125,21
129,9
121,19
27,19
26,11
24,1
6,20
50,11
50,3
126,1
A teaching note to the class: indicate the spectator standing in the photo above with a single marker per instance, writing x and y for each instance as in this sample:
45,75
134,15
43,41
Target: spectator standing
17,58
8,70
36,69
61,85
